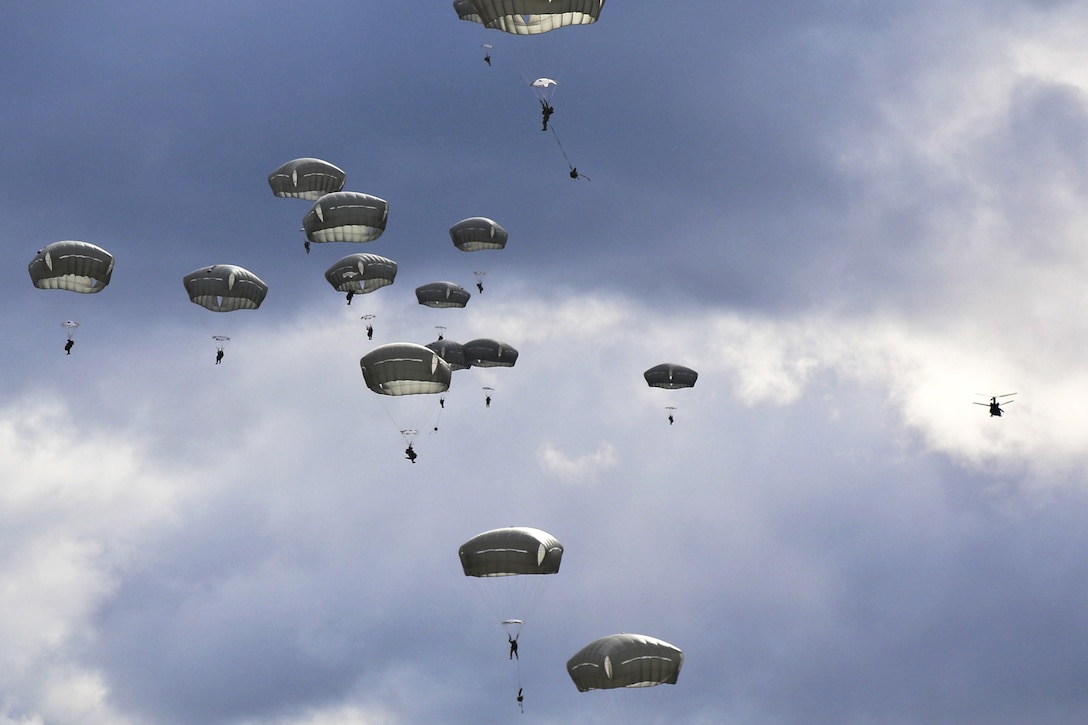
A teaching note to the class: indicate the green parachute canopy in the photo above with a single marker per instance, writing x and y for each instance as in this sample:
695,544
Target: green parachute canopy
404,368
361,273
625,660
225,288
346,216
528,17
476,233
306,179
670,376
511,551
70,265
442,294
487,353
452,352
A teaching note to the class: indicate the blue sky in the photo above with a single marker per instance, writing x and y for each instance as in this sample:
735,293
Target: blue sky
850,220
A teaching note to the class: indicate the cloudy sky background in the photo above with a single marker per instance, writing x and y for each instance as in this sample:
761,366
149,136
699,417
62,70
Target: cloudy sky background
848,218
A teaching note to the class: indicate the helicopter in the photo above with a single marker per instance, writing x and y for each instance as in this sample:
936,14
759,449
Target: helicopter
995,404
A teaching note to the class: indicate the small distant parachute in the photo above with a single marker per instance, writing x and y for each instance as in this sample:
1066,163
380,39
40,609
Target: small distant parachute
625,660
361,273
369,325
70,326
528,17
670,376
487,353
452,352
442,294
476,233
346,216
544,88
225,288
306,178
70,265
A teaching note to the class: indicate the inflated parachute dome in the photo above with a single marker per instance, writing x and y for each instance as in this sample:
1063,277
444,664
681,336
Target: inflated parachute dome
477,233
225,288
306,179
361,273
404,368
670,376
442,294
487,353
625,660
346,216
70,265
511,551
452,352
528,17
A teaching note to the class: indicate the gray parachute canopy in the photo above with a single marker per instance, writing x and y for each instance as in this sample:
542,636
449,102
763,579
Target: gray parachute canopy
75,266
404,368
476,233
306,179
442,294
528,17
511,551
346,216
670,376
361,273
225,288
487,353
466,11
452,352
625,660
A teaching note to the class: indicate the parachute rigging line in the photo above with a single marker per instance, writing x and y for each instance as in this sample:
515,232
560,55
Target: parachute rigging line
573,171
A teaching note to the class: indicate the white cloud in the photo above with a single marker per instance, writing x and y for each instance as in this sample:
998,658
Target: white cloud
575,468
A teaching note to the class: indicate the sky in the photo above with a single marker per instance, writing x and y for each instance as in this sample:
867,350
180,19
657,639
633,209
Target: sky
854,220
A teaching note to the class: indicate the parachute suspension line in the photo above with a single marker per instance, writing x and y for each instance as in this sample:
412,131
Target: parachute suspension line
561,149
407,433
518,662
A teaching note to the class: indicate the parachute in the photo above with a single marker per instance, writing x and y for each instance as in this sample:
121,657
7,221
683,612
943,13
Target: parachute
528,17
306,179
70,265
625,660
544,88
404,368
670,376
452,352
476,233
346,216
511,551
225,288
488,353
369,325
361,273
404,374
466,11
511,565
442,294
